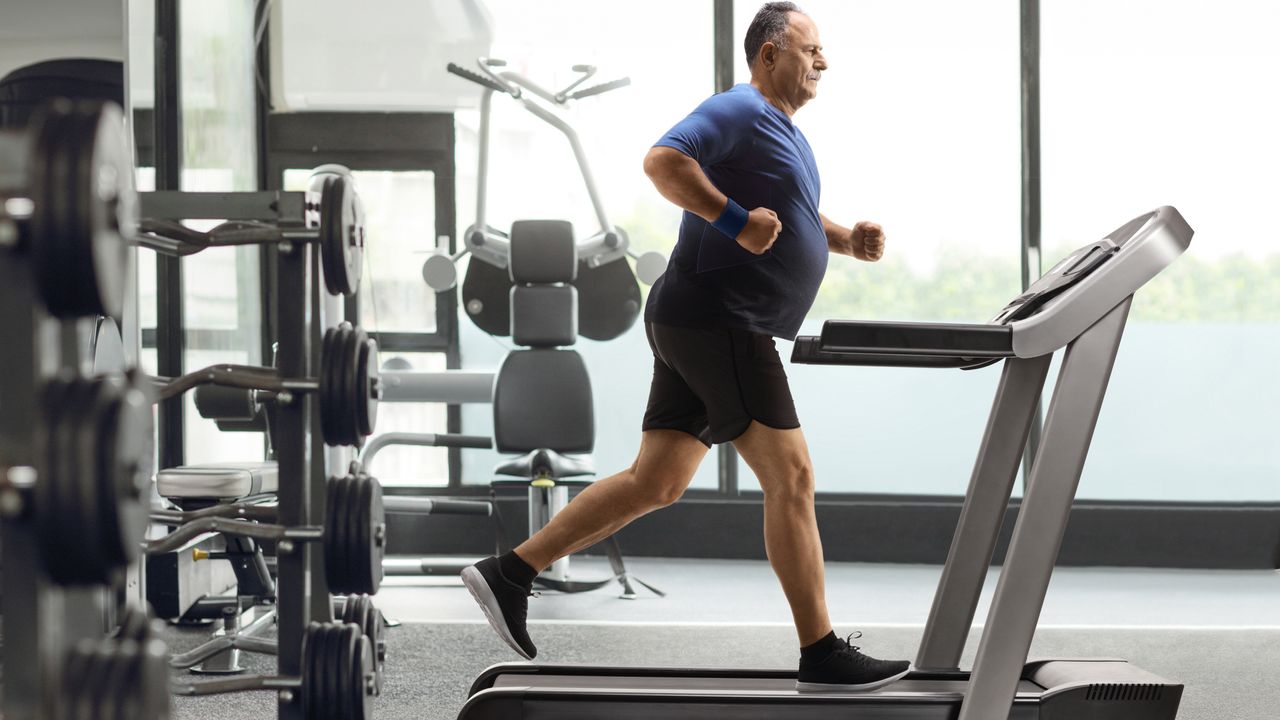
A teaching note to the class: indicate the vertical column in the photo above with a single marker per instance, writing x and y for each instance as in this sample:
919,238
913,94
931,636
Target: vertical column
23,611
1042,520
317,317
293,453
170,340
985,504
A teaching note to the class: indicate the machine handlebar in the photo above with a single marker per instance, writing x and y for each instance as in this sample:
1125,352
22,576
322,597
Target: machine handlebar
477,78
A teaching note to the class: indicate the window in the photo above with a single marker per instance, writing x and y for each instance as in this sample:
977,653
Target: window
1150,103
915,127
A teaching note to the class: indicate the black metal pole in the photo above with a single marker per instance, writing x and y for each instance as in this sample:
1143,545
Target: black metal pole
723,25
168,157
293,455
726,456
446,201
1030,44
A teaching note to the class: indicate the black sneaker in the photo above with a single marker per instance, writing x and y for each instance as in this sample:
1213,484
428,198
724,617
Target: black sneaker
847,670
505,604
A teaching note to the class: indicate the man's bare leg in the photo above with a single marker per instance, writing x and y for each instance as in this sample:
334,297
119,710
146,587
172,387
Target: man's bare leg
663,468
780,460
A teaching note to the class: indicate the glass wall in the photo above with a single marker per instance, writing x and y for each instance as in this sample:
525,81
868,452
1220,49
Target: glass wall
666,48
916,127
1150,103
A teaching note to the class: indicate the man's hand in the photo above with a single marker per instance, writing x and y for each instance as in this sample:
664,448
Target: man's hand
868,241
761,231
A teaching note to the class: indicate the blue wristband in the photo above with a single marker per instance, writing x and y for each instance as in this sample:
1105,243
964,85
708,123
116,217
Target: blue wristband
731,220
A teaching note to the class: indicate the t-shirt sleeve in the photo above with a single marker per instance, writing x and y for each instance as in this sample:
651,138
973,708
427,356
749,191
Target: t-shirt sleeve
713,132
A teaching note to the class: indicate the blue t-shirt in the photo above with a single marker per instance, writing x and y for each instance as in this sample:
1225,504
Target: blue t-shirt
752,153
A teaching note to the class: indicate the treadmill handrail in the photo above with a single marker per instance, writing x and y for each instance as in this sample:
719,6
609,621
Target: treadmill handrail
958,340
808,351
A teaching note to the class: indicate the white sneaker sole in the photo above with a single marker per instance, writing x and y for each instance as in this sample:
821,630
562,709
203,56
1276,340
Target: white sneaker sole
484,597
833,687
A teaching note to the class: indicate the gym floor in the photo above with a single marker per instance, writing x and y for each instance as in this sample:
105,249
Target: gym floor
1216,631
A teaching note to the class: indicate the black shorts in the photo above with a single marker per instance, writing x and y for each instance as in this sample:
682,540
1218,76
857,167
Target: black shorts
713,383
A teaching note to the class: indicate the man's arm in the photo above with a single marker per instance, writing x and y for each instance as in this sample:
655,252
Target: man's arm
864,241
679,178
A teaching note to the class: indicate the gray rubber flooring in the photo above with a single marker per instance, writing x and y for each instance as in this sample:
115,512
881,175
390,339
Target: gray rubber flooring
1216,632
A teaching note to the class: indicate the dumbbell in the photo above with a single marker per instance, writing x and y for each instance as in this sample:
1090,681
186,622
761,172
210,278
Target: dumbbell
335,223
338,679
353,535
67,201
348,386
86,498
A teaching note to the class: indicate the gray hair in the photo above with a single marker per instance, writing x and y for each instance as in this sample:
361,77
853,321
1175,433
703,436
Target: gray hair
769,25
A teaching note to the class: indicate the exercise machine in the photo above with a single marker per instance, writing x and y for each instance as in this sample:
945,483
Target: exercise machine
1080,304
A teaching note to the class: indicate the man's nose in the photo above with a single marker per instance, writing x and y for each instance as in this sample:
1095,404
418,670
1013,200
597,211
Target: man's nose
820,63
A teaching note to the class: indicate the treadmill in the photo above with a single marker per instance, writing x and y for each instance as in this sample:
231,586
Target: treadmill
1080,304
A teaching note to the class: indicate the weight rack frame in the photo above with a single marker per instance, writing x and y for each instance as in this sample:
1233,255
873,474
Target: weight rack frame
301,588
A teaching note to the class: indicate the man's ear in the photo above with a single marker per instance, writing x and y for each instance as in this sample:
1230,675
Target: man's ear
768,55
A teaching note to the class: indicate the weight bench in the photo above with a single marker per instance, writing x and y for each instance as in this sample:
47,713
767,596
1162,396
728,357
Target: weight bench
181,586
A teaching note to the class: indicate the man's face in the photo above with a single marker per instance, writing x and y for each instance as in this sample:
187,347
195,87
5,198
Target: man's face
797,69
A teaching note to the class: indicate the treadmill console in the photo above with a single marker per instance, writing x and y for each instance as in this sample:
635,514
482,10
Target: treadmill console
1070,270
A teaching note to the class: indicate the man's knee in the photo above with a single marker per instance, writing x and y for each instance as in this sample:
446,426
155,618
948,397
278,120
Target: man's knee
793,482
668,493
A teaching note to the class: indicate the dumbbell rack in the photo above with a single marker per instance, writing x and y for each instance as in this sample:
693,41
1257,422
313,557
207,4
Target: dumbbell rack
302,594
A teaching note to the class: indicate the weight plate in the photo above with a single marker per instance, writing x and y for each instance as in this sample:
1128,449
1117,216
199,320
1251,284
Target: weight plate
377,518
373,629
134,625
49,181
124,468
313,672
75,666
350,607
341,236
367,375
93,507
112,205
95,679
346,388
364,663
354,556
132,689
86,209
345,665
358,552
330,258
48,521
119,683
336,542
327,376
63,534
368,518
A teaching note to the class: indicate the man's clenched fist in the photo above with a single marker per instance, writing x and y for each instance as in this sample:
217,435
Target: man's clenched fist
869,237
761,230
